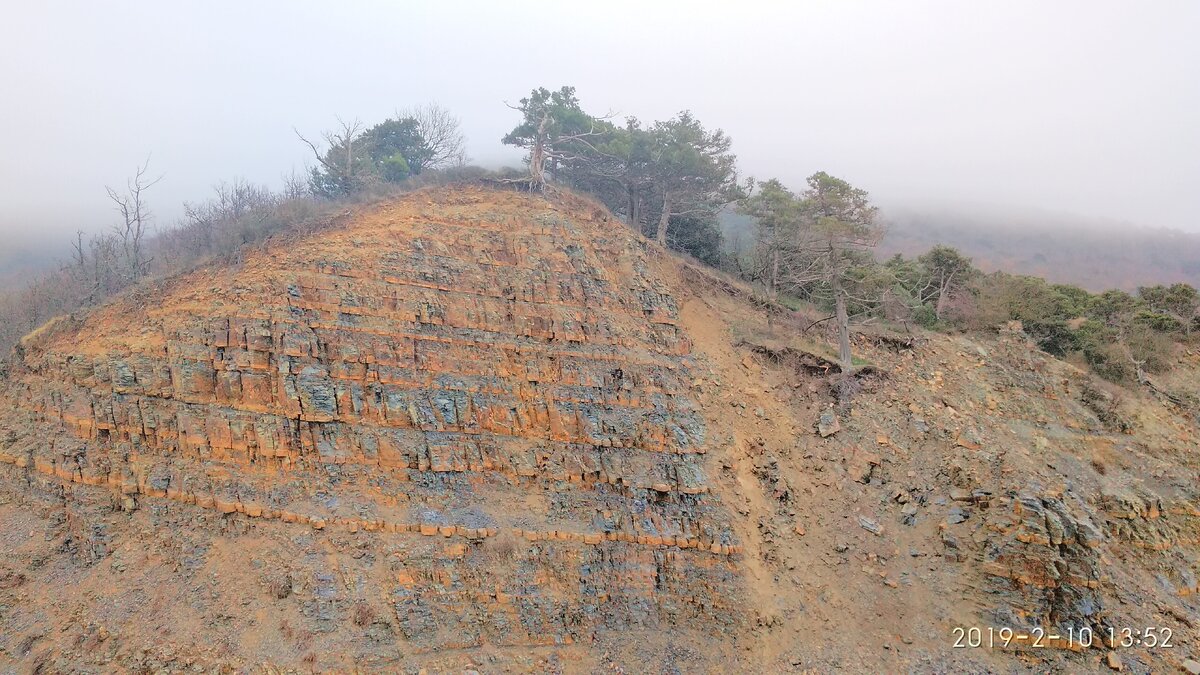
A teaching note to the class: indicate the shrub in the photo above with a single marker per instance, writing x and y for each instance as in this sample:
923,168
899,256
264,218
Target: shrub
925,316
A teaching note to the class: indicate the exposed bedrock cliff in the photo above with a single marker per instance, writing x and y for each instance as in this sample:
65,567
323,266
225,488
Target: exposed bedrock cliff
491,385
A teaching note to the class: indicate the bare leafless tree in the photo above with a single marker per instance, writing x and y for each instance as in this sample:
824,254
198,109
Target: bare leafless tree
441,132
295,185
78,270
135,219
232,216
106,264
78,255
343,138
100,265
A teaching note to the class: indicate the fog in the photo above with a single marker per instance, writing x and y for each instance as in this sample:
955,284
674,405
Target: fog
1088,108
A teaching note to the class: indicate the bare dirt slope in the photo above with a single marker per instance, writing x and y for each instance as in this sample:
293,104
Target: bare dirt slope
475,429
971,484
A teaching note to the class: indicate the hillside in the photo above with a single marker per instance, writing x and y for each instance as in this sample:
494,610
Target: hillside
20,261
479,429
1095,256
1059,249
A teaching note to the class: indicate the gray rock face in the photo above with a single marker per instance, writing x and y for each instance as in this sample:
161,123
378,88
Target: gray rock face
1047,544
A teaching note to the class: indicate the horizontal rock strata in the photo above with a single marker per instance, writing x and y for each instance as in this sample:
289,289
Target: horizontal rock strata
458,367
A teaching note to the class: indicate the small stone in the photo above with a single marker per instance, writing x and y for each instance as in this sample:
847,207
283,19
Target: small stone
960,495
1191,666
799,529
860,465
908,514
1114,661
956,516
828,425
841,548
870,525
969,438
952,553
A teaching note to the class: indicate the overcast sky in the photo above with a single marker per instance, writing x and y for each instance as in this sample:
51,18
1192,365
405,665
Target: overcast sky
1090,108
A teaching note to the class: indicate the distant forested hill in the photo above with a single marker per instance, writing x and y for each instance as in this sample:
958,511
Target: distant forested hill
1062,250
20,261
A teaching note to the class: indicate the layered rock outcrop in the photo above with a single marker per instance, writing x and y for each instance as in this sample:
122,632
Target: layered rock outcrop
474,429
492,385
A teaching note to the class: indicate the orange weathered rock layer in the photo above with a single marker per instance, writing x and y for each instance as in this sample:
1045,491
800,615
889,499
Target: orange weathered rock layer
433,368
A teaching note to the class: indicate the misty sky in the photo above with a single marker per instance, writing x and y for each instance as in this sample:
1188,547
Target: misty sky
1089,108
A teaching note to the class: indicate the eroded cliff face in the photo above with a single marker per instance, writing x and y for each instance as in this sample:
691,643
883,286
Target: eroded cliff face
482,430
489,391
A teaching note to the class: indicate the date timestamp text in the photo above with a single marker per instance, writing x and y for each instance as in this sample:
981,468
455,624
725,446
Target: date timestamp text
1150,637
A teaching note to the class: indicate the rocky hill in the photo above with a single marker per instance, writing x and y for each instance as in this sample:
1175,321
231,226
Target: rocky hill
481,430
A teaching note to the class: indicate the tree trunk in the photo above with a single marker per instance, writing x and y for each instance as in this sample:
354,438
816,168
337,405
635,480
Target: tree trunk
843,322
537,161
773,291
943,291
537,156
664,219
634,217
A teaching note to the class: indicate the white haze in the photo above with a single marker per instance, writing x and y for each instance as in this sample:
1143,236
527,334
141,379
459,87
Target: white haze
1088,107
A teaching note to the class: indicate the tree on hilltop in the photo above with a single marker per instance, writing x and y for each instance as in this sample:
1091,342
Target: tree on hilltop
354,156
817,245
442,141
667,180
557,133
690,169
135,220
839,234
777,214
